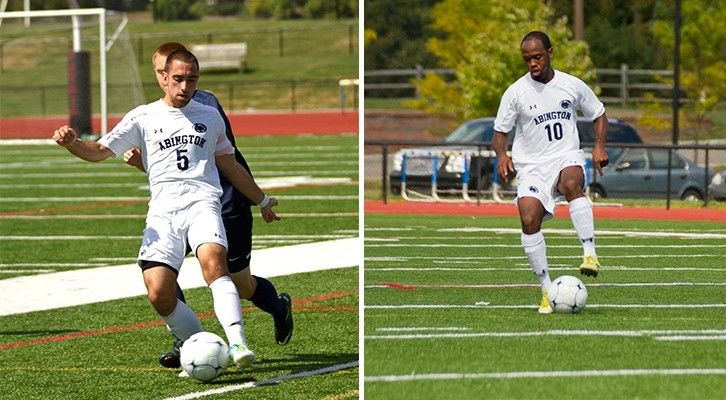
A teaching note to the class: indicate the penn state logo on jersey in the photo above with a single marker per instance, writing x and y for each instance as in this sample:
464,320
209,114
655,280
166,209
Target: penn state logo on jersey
533,189
565,104
199,127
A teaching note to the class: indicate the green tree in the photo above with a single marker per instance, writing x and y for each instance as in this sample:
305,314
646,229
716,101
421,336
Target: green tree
703,51
481,42
396,33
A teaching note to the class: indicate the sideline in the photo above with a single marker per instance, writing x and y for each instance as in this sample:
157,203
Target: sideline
92,285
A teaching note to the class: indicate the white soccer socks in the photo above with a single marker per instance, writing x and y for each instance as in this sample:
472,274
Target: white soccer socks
182,322
536,250
228,310
583,221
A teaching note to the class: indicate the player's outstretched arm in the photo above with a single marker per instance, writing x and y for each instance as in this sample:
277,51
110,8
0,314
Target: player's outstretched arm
505,166
600,157
242,181
90,151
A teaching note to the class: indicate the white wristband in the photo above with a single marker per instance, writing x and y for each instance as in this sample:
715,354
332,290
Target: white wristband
265,201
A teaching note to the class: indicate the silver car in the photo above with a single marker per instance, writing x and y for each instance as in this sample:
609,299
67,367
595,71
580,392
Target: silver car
643,173
717,188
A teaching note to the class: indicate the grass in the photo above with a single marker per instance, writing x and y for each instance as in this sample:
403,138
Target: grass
110,349
314,54
421,260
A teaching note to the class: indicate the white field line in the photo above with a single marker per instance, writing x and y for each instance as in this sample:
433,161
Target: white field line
485,305
264,183
549,246
270,381
507,240
336,172
75,175
422,328
517,231
138,237
139,185
528,285
545,374
688,338
130,216
251,157
14,265
567,268
146,198
92,285
561,332
53,147
307,163
74,163
475,258
25,271
130,173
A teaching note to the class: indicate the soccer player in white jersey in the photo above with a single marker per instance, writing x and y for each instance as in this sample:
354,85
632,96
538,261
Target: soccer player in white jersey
546,155
183,143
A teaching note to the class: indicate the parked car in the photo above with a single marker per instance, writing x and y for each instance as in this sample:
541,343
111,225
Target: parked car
450,164
717,188
643,173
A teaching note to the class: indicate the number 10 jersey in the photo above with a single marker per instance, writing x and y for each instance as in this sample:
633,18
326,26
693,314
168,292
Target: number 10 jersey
545,117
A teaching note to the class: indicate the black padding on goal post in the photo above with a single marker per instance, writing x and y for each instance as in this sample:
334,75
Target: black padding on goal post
79,91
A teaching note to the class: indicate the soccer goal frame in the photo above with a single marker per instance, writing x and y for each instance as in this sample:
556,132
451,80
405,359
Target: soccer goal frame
102,46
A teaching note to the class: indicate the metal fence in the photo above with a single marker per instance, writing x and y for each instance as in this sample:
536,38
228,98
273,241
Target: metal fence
379,157
291,94
619,85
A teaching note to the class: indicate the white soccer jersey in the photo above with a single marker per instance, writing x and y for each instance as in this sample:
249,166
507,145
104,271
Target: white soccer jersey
545,117
178,146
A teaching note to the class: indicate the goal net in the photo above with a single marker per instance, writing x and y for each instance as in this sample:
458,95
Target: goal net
35,48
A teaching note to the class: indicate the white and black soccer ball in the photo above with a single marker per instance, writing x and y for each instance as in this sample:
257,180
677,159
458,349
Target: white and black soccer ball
567,295
204,356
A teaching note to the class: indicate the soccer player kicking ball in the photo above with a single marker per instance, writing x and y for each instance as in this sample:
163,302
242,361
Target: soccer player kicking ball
183,143
237,219
546,154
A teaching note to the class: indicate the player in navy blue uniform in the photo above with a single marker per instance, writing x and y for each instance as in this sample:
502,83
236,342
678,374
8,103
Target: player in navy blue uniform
237,219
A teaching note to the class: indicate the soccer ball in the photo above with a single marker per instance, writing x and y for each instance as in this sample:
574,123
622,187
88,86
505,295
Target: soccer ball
204,356
567,295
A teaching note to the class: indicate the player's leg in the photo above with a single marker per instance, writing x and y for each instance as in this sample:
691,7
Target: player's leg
160,280
531,213
571,184
259,290
206,235
213,260
171,359
160,256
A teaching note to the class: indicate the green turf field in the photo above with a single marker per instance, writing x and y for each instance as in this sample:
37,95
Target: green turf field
58,213
447,315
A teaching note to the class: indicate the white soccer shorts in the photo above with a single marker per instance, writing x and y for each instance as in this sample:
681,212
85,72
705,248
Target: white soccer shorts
541,180
167,233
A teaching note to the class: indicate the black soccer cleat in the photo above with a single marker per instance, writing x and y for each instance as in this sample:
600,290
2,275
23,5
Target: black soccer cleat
283,327
171,358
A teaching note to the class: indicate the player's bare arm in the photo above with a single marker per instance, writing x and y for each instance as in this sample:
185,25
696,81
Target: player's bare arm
67,137
238,176
599,155
133,158
505,166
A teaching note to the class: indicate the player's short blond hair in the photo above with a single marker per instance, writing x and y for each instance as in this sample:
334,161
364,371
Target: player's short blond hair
167,48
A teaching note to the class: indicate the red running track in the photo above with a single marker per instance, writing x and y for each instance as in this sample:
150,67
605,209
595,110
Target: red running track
510,210
243,124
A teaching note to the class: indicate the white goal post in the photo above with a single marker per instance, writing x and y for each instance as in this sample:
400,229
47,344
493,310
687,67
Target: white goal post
101,14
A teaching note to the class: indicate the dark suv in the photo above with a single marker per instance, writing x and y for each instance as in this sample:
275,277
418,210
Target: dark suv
450,157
